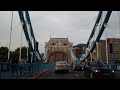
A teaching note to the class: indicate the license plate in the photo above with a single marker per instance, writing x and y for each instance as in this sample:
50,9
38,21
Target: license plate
61,67
106,74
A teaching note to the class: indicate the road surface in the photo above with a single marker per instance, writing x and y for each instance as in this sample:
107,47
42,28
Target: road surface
50,74
62,75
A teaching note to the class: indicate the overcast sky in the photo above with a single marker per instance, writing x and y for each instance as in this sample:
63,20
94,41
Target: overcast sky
77,25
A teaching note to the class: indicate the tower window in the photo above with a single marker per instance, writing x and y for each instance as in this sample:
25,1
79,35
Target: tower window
53,43
65,44
111,48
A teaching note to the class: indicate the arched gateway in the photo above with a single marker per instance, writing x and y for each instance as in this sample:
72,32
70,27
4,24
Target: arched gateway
58,49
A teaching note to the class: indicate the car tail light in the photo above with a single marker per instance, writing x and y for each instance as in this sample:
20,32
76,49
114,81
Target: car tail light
66,65
113,71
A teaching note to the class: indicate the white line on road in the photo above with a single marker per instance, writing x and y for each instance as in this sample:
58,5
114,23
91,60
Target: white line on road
76,75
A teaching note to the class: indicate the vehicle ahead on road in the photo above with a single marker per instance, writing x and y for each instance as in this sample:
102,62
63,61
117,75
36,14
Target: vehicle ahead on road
78,65
61,66
97,69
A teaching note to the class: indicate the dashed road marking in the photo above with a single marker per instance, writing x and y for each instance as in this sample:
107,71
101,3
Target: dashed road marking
76,75
44,73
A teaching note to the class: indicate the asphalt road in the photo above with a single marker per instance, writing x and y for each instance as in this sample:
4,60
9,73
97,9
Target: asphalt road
50,74
62,75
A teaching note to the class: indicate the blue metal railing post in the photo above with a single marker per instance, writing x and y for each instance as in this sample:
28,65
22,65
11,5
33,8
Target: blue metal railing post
24,69
32,68
0,72
27,69
17,71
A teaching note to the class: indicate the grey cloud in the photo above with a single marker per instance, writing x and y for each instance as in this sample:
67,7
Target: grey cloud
113,28
77,25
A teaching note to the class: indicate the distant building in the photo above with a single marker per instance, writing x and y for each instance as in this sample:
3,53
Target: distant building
101,53
78,49
58,49
113,50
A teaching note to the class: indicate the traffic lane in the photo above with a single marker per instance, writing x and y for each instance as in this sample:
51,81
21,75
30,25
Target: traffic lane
46,74
117,74
72,74
62,75
79,74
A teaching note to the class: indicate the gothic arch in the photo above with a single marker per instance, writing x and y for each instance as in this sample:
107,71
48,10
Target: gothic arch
53,57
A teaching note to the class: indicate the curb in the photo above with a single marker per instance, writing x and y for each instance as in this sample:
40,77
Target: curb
43,72
40,73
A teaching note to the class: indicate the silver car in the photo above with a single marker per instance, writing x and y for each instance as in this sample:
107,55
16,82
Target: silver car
61,66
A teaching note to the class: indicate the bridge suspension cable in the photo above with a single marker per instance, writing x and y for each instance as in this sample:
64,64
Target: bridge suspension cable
73,57
45,54
119,22
91,44
92,41
106,46
100,25
20,46
10,35
29,34
27,52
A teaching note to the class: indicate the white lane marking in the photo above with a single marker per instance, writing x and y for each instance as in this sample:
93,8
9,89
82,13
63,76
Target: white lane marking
76,75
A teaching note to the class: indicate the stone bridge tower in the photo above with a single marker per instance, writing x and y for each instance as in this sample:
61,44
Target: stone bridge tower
58,49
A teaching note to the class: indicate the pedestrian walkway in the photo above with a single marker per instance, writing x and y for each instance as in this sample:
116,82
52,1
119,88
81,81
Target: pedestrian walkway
28,71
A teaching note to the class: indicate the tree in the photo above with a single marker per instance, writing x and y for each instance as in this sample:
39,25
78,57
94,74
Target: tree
13,54
16,53
3,54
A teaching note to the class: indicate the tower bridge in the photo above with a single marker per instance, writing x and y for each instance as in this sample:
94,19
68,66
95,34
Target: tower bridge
58,49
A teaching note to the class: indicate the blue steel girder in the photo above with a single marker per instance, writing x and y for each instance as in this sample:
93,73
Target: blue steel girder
73,57
39,55
24,26
32,33
45,54
99,34
97,21
31,29
29,22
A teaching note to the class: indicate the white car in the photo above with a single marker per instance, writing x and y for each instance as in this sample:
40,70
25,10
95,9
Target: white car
61,66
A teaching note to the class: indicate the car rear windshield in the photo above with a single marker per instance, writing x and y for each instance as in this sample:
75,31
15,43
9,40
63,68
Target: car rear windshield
101,64
94,64
76,63
61,62
98,64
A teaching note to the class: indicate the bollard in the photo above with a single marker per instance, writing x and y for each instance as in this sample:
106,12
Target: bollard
0,72
16,69
32,69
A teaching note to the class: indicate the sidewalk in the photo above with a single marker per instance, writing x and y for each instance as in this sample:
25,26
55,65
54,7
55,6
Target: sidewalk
39,74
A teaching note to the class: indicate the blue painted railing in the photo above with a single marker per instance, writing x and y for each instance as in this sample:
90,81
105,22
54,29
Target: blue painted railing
22,71
115,66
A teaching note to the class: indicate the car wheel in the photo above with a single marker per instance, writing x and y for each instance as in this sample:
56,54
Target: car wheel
55,71
66,71
84,73
112,76
91,75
